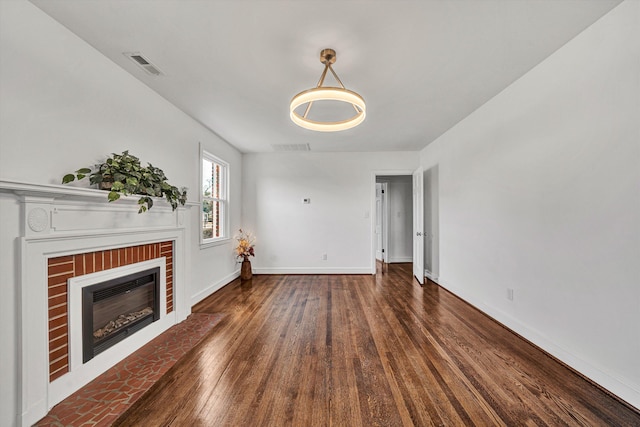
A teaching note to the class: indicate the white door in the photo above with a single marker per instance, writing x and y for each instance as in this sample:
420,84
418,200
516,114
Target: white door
418,220
379,222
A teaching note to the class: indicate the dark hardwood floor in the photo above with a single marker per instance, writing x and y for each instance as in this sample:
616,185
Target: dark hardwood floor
365,351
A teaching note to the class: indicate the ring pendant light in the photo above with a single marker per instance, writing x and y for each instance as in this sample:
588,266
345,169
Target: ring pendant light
327,93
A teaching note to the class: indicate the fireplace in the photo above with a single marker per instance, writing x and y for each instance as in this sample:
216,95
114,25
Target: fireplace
117,308
72,238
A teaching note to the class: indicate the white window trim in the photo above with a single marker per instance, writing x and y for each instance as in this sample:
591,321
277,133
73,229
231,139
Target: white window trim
214,241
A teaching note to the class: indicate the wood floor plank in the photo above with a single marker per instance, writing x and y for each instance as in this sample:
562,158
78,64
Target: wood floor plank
359,350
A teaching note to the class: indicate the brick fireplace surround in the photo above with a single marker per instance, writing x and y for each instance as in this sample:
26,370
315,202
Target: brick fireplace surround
71,236
61,269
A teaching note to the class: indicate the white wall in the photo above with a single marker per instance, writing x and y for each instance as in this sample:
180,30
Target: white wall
63,106
538,192
292,236
400,200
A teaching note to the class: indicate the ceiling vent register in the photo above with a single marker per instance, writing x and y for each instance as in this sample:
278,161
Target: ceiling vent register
291,147
143,63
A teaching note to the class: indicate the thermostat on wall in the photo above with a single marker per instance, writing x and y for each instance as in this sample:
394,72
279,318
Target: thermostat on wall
306,200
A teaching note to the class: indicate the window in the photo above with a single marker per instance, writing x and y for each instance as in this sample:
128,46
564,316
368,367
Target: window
215,174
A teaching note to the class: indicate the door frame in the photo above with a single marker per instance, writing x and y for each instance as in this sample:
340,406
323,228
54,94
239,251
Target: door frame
374,175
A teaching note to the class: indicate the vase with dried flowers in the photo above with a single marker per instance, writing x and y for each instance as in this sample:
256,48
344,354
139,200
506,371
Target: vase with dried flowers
244,250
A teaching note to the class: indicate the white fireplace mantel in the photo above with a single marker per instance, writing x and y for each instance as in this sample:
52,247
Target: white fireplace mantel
61,220
59,210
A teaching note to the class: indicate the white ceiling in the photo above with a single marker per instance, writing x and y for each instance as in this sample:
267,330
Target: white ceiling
421,66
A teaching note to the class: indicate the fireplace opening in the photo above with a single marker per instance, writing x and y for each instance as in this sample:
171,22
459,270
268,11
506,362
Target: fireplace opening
116,309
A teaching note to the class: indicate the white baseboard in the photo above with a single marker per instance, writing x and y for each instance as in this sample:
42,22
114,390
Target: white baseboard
214,287
313,270
401,259
429,275
620,387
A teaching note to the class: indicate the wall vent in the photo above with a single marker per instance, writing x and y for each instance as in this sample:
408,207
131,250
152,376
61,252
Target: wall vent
291,147
143,63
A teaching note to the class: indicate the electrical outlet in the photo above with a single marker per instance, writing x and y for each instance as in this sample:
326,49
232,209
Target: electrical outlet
510,294
324,257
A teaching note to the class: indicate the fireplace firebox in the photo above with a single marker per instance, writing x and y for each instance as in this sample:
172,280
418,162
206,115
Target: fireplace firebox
117,308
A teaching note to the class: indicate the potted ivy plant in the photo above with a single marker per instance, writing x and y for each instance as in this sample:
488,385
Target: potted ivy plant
123,174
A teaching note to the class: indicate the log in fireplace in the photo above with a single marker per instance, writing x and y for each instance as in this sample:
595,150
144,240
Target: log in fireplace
117,308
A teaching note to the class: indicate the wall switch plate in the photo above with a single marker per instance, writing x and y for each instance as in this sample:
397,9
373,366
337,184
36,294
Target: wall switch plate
306,200
324,257
510,294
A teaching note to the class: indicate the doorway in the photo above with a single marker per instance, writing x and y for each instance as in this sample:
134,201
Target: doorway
393,218
382,227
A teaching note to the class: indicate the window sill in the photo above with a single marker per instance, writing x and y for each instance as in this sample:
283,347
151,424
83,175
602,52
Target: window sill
216,242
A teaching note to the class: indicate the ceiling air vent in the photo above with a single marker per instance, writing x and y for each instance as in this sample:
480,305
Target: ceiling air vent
143,63
291,147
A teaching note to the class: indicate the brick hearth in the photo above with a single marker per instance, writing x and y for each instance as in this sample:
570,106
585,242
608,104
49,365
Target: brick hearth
103,400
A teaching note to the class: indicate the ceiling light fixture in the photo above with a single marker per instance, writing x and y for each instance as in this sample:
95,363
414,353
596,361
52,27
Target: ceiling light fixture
327,93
